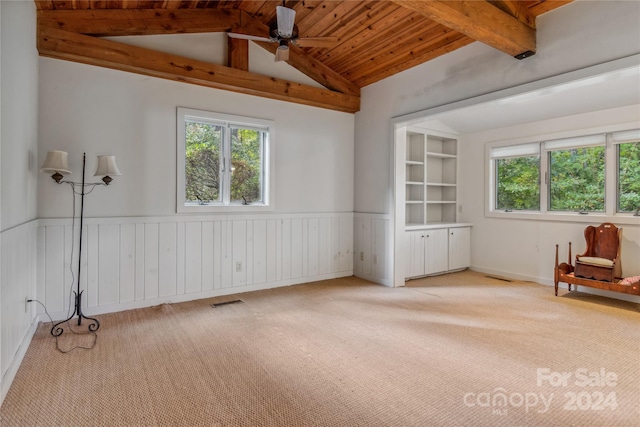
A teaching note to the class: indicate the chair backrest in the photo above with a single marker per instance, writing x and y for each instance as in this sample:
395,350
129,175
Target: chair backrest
602,241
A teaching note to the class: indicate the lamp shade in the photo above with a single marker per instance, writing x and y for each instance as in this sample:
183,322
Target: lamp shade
107,166
56,161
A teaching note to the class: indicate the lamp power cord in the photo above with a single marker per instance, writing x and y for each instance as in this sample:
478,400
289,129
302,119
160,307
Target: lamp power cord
95,336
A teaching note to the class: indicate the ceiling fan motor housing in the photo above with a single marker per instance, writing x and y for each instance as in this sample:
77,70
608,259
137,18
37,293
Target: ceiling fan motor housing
275,35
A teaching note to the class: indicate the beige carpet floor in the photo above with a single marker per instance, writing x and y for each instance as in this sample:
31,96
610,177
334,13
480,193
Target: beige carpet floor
455,350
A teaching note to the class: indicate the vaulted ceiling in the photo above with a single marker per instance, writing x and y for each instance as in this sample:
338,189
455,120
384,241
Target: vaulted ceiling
374,39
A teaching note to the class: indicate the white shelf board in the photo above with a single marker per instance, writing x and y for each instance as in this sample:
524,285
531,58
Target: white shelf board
440,155
436,225
440,184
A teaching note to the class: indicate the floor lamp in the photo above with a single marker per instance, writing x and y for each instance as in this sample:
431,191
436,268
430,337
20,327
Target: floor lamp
57,163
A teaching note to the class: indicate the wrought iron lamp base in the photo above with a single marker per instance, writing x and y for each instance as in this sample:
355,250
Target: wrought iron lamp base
57,330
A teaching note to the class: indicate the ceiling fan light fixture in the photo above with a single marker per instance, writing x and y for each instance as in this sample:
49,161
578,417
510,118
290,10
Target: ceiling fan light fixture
286,17
282,52
282,32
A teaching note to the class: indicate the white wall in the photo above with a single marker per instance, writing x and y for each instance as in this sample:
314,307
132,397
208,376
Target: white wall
18,148
136,250
371,242
573,37
103,111
19,113
212,48
525,249
578,35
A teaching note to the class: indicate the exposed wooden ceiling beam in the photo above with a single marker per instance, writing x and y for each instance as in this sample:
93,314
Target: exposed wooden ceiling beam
238,54
548,5
518,9
121,22
131,22
481,21
316,70
76,47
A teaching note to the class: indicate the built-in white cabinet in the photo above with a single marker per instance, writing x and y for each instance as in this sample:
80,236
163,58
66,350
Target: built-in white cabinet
459,241
438,250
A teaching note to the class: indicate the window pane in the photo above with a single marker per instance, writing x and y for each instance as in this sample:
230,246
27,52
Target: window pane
518,183
628,177
577,179
246,165
202,169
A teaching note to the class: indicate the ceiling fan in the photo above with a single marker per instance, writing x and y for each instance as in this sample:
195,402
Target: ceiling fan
286,31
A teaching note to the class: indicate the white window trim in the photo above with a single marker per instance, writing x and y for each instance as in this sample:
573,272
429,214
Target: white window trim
227,119
609,215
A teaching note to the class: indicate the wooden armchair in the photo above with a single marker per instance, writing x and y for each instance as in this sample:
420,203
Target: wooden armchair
601,260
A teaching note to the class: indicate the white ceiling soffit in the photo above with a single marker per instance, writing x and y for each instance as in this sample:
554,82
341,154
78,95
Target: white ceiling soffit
585,92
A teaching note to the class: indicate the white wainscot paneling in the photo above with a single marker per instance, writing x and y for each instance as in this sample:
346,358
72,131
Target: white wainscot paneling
373,250
17,284
137,262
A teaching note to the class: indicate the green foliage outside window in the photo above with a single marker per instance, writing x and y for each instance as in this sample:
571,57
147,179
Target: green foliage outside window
202,163
518,183
628,177
203,177
577,179
246,162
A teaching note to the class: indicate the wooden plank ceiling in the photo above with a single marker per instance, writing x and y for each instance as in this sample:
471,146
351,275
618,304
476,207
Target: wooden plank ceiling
375,39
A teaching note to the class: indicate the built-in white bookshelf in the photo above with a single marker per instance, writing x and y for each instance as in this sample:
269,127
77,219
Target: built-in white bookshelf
431,170
434,242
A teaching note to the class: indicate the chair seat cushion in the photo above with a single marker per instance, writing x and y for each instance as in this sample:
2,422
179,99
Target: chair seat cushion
596,261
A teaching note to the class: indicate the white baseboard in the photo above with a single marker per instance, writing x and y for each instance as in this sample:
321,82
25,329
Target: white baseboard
561,285
94,311
378,280
511,275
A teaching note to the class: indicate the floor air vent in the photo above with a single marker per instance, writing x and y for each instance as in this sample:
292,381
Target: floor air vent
219,304
500,278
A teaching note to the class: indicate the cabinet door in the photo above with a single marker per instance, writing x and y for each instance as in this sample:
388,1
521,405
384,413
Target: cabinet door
459,248
436,251
416,254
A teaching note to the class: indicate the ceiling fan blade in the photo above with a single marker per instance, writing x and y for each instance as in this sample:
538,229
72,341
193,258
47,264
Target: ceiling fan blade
316,41
249,37
282,53
286,18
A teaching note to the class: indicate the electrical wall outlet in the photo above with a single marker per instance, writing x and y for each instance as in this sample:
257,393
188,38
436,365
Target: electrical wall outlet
361,256
238,267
